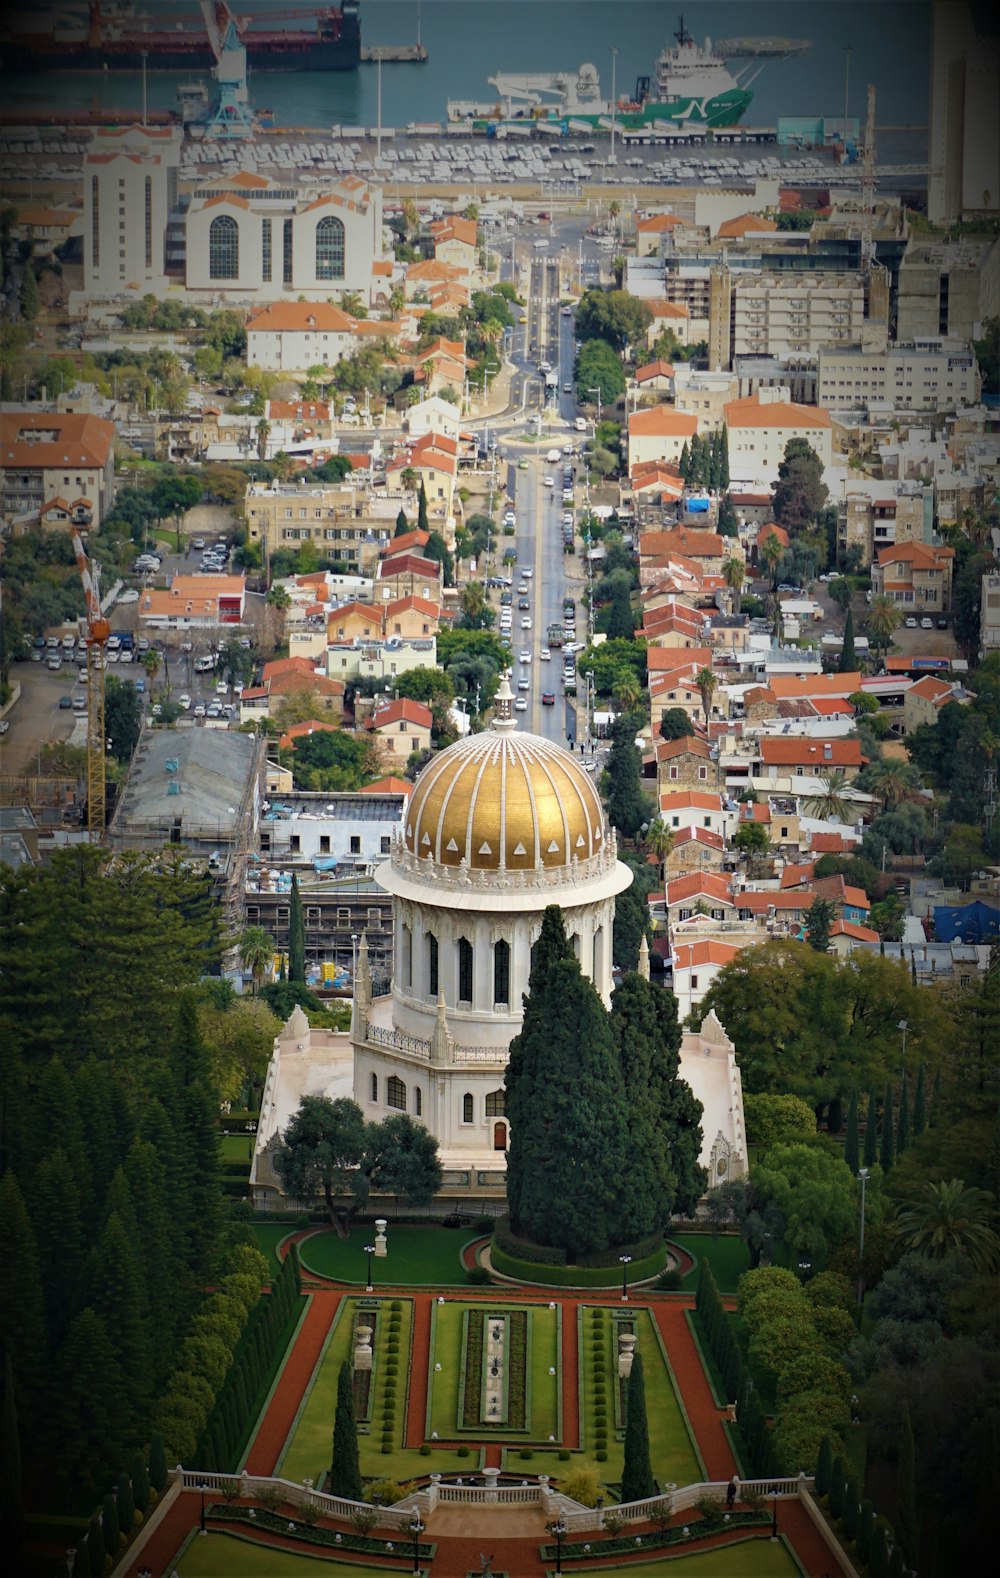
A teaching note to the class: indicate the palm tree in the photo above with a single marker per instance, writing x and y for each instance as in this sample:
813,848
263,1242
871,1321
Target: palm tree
408,479
397,300
659,840
831,803
892,780
627,691
353,303
946,1218
706,683
883,619
263,434
734,574
772,554
256,953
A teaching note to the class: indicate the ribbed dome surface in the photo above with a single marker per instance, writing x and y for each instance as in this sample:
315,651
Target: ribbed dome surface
504,792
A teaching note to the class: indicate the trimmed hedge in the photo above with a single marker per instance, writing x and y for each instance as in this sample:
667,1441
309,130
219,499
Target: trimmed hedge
520,1248
564,1276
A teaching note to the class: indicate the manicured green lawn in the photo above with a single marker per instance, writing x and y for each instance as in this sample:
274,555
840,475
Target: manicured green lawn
727,1256
418,1256
307,1455
750,1559
225,1556
237,1148
670,1448
269,1235
444,1384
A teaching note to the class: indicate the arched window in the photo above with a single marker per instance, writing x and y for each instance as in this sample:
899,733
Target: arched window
95,222
468,1108
395,1093
495,1104
374,1094
330,249
224,248
501,973
286,250
149,221
407,956
432,965
418,1101
464,970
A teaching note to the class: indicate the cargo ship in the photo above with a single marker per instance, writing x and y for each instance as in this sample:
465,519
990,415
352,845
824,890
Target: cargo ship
692,86
107,35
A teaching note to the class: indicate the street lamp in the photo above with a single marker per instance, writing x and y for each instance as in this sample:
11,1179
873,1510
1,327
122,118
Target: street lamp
863,1179
369,1251
597,392
416,1529
805,1266
201,1524
625,1261
903,1026
558,1529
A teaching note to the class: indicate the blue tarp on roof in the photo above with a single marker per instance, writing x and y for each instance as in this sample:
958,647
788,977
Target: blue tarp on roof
976,922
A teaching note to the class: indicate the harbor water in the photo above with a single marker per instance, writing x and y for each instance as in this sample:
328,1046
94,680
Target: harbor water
470,40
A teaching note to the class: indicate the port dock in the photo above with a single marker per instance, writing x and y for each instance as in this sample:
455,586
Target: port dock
416,54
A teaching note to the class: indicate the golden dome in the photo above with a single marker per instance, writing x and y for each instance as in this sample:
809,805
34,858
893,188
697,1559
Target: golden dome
504,792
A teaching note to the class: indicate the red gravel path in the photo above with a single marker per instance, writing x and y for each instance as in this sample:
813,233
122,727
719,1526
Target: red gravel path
706,1418
570,1374
291,1389
420,1358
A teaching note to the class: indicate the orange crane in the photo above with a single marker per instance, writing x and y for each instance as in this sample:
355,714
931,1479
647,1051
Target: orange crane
98,630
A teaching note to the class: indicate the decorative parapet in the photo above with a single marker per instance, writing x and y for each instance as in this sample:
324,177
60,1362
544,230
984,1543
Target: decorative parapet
414,1046
538,878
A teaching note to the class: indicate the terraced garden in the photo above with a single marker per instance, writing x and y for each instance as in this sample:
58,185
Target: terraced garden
525,1387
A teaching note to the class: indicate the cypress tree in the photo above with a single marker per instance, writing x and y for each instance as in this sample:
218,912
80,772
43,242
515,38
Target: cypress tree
824,1465
125,1504
95,1548
219,1445
871,1131
568,1083
906,1491
140,1482
866,1529
897,1566
848,657
345,1471
422,524
684,465
852,1154
637,1472
627,805
835,1116
903,1119
878,1560
81,1562
296,935
919,1105
11,1487
29,298
157,1463
110,1528
852,1510
838,1487
934,1117
724,459
22,1305
886,1150
402,524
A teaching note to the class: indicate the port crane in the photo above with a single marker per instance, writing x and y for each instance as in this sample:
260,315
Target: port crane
98,630
232,116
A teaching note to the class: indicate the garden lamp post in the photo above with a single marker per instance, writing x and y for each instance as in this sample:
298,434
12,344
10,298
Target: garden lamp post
416,1529
369,1251
774,1517
201,1523
625,1261
903,1027
862,1179
557,1530
805,1266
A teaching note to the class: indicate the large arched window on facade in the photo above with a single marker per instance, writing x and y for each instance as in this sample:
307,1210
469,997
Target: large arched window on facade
395,1093
330,249
468,1108
224,248
374,1089
495,1103
501,973
433,975
465,965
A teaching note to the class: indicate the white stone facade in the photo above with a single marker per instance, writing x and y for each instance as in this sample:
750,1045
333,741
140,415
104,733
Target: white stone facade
129,190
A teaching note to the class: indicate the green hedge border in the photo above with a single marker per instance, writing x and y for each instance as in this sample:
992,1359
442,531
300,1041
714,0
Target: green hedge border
665,1356
338,1313
587,1277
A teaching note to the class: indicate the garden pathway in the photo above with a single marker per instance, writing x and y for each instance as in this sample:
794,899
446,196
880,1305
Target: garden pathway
279,1416
420,1359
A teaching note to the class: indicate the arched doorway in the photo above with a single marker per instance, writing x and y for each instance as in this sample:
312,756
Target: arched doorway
499,1135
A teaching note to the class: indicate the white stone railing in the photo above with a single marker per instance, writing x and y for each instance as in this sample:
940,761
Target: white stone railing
465,878
493,1055
398,1040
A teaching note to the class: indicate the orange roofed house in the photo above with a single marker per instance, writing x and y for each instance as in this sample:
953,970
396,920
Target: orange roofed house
291,336
402,726
659,434
760,426
58,464
194,602
916,577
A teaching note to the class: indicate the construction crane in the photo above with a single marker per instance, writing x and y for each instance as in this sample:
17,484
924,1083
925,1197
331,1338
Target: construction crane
868,186
98,630
232,116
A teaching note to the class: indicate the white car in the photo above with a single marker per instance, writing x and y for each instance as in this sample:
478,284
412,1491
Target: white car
526,622
548,482
130,595
525,655
184,702
567,312
521,704
911,623
221,688
580,424
199,711
553,456
545,655
927,624
524,683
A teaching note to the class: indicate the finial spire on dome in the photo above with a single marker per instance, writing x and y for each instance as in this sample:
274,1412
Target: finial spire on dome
503,706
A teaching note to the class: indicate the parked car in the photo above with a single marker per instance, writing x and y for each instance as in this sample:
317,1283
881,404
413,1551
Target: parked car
927,624
911,623
65,703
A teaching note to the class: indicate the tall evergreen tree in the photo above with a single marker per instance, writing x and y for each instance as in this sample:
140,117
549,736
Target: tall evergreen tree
684,465
28,297
907,1527
422,508
903,1117
157,1463
112,1287
568,1083
345,1472
886,1148
852,1154
848,658
296,935
22,1306
402,524
158,1252
919,1105
637,1471
11,1488
866,1529
824,1465
724,478
871,1131
55,1215
89,1417
125,1504
95,1548
627,806
140,1482
110,1527
198,1138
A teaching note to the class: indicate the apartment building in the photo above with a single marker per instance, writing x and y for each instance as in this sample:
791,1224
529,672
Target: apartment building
878,514
948,287
916,577
934,374
57,465
782,313
129,193
347,522
759,429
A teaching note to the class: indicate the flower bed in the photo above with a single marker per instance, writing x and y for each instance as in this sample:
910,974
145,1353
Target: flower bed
293,1528
619,1544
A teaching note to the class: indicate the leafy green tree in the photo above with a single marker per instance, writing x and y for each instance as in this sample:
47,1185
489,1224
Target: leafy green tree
321,1152
402,1160
637,1472
815,1194
778,1120
332,760
906,1492
967,603
598,367
437,549
675,724
621,624
296,934
345,1473
852,1154
886,1153
800,492
626,803
122,717
613,316
564,1077
29,299
819,919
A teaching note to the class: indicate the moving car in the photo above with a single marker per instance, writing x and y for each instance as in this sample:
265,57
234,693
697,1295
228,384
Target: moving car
521,704
65,703
548,698
545,655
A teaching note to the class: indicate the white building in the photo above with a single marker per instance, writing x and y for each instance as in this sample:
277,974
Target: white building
708,1063
258,240
924,375
129,192
759,428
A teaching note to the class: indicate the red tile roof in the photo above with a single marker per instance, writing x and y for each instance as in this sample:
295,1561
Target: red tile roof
824,753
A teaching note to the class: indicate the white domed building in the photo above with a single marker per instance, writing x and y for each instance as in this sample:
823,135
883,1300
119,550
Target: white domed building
499,826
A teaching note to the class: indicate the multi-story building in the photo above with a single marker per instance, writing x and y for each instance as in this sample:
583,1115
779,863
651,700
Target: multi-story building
797,374
259,240
989,615
759,429
948,287
351,523
56,465
879,514
129,194
935,374
292,336
783,314
916,577
659,434
382,659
